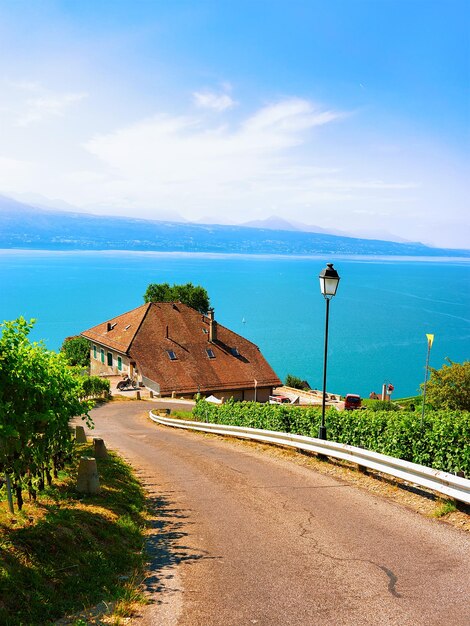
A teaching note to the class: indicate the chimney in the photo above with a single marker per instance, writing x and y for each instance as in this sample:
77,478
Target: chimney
109,327
166,334
212,326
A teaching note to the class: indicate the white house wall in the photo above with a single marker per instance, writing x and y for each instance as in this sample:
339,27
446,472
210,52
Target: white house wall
98,368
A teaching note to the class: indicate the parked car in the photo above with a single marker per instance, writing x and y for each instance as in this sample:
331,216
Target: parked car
279,400
352,401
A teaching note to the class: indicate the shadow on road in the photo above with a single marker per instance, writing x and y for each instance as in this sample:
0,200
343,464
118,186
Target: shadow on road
168,546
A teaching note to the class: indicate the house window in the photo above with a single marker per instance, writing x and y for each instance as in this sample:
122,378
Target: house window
210,353
171,355
102,355
110,359
95,354
119,363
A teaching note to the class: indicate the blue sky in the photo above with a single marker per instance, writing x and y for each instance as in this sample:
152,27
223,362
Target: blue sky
350,115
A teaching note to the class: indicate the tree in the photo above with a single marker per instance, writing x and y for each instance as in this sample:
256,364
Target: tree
296,382
77,351
449,387
192,295
39,394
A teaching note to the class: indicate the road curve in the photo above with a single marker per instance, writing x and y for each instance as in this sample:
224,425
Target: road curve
240,537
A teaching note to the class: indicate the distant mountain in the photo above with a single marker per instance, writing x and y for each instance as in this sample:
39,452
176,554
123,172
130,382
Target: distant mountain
274,222
271,223
279,223
39,201
27,227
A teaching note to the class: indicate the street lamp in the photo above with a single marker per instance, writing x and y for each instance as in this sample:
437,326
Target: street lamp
329,280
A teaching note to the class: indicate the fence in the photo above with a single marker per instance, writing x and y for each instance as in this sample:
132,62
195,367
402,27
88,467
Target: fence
441,482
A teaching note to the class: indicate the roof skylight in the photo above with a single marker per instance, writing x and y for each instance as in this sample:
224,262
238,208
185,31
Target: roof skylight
171,355
210,353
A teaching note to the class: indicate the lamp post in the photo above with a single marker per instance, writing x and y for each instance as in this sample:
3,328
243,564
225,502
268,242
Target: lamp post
329,280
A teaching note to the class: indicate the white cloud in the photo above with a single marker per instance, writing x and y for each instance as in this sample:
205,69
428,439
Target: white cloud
44,106
290,117
214,101
291,157
185,164
27,102
182,162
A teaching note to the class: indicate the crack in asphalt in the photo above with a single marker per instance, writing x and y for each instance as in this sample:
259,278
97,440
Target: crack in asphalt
304,532
392,580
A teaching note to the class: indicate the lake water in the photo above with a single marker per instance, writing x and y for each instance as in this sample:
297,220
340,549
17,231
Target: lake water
378,319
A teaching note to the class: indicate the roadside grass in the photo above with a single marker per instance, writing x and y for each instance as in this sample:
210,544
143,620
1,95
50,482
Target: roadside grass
444,508
184,415
67,552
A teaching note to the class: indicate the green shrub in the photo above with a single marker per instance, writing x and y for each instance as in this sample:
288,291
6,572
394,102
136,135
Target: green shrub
441,442
95,387
39,394
449,387
77,351
296,382
380,405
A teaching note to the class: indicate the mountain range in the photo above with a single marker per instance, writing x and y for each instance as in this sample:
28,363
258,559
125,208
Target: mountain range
25,226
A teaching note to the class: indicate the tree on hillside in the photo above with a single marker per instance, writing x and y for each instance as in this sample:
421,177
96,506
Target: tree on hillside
194,296
449,387
39,394
77,351
296,382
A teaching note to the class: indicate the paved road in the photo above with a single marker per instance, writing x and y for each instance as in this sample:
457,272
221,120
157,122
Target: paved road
241,537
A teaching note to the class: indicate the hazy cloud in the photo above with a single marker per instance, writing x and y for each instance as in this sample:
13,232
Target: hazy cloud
42,103
164,150
212,100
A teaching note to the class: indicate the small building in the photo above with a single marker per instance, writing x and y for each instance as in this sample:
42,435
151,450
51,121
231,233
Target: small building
172,348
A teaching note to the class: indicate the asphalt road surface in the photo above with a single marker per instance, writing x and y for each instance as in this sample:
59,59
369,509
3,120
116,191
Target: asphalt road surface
240,537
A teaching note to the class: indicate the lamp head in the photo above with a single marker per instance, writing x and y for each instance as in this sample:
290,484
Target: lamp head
329,279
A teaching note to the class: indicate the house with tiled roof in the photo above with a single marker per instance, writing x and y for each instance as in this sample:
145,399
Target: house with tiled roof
173,349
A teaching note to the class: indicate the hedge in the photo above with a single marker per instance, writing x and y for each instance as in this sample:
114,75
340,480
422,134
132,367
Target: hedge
441,442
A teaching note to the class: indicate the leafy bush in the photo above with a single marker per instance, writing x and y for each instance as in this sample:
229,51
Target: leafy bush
296,382
380,405
449,387
95,387
77,351
192,295
39,394
442,442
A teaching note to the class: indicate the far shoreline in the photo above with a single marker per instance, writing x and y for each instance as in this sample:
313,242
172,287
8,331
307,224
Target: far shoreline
362,258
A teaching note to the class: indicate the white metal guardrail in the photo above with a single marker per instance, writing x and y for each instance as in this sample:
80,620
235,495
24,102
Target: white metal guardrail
442,482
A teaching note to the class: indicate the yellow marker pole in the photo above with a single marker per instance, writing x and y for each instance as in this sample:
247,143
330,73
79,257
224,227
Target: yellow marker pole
430,339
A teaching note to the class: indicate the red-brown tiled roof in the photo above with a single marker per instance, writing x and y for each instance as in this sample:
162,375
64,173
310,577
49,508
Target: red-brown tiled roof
165,326
118,332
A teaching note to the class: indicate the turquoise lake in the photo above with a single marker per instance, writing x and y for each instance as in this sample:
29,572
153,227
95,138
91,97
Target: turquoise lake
378,319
